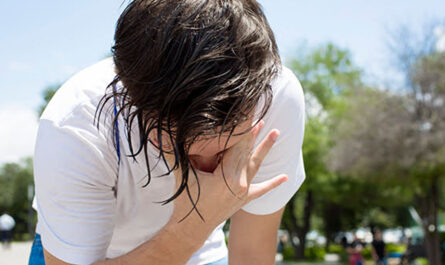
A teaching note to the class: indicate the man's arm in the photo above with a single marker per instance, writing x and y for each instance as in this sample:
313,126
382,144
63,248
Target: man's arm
174,244
253,238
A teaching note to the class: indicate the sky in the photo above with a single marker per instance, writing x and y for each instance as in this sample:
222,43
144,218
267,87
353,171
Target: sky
45,42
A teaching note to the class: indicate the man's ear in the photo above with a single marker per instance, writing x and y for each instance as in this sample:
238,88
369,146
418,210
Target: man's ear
166,144
153,137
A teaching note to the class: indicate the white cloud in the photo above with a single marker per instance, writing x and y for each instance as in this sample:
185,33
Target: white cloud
440,35
19,66
18,131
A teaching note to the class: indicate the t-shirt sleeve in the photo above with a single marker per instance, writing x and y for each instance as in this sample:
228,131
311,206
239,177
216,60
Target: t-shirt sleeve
75,175
287,115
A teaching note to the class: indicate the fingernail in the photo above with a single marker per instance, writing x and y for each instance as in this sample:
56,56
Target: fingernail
261,123
275,135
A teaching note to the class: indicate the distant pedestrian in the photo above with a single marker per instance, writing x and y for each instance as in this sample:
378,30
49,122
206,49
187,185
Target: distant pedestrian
378,249
355,251
344,253
7,223
280,248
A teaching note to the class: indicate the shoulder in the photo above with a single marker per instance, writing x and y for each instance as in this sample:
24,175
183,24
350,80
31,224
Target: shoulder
287,88
68,142
287,110
81,93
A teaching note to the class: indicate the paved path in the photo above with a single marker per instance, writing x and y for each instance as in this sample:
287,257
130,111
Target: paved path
18,254
307,263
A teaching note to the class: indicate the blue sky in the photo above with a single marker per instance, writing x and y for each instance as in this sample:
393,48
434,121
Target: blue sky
45,42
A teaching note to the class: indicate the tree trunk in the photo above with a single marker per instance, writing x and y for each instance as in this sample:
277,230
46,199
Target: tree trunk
294,228
327,235
299,254
428,211
304,229
432,244
291,224
331,221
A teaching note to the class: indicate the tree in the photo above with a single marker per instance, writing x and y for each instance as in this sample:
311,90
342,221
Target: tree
398,137
48,94
324,72
15,178
423,67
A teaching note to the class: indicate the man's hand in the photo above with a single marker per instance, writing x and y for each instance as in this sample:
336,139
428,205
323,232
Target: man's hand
228,188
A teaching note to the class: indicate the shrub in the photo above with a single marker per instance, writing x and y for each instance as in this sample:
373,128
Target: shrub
288,253
395,248
335,248
315,253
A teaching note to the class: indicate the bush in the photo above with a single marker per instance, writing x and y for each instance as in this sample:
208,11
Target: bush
335,248
395,248
288,253
421,261
367,252
315,253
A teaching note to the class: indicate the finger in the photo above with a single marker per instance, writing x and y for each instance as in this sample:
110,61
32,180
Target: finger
240,153
246,144
261,151
258,189
254,133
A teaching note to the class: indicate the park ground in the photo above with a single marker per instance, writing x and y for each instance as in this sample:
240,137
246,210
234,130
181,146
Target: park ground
18,254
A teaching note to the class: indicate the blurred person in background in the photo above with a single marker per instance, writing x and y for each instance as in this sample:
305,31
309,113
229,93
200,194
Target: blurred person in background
282,241
355,249
140,159
7,223
378,248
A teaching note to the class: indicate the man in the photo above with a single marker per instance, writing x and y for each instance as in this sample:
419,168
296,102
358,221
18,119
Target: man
7,223
378,248
141,159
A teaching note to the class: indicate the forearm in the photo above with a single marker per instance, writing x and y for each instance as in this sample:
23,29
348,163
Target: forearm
243,256
174,244
253,238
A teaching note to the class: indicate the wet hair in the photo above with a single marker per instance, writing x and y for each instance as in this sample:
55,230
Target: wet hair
186,68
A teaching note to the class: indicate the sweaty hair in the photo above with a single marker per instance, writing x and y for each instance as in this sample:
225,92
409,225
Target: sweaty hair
188,67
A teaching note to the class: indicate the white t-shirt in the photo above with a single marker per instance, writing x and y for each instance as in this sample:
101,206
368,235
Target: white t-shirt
90,208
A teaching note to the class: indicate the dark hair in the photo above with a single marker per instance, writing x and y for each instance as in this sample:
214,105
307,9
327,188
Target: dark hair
188,67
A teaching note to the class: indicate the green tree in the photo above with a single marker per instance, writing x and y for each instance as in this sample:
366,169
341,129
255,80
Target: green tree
397,139
47,94
15,180
325,73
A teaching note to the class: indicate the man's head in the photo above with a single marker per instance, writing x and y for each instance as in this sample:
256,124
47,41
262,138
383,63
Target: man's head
378,234
192,70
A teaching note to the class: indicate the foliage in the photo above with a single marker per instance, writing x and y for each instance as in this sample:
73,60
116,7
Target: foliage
332,199
326,71
421,261
395,248
335,248
366,253
397,138
288,254
315,253
48,94
14,181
